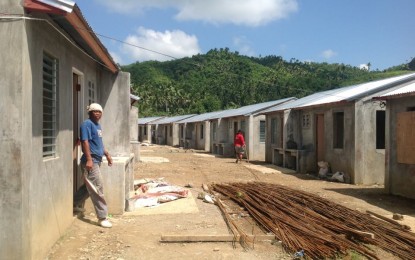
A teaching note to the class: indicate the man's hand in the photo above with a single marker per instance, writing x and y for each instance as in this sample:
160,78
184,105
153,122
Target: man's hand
109,159
89,164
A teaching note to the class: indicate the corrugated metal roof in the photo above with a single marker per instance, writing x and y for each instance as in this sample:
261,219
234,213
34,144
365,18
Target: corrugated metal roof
251,109
201,117
344,94
169,120
146,120
401,90
64,5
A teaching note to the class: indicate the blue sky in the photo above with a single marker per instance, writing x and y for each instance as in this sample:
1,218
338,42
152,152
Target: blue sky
353,32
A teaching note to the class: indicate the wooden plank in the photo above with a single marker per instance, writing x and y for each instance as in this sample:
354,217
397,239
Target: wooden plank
211,238
405,137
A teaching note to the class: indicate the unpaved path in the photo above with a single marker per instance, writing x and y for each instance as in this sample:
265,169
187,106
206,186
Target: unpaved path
136,235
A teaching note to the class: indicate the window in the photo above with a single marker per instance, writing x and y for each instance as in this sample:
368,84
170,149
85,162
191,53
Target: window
201,132
306,121
380,129
338,130
170,130
145,130
181,131
273,131
50,84
262,131
91,93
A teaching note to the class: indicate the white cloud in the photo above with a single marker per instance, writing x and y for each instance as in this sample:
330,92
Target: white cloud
117,58
247,12
153,44
364,66
243,46
328,54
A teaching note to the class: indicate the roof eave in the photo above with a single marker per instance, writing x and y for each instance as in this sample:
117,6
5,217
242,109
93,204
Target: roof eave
80,25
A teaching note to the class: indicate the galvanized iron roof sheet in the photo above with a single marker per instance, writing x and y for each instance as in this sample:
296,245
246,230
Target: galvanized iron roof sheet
344,94
401,90
169,120
146,120
201,117
251,109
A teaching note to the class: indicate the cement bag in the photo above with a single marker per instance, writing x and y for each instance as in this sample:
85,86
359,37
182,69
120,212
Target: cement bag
324,169
338,176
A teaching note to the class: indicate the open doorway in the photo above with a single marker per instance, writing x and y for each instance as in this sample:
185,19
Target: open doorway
76,97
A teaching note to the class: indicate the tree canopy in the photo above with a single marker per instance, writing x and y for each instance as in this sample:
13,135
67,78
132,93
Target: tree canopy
221,79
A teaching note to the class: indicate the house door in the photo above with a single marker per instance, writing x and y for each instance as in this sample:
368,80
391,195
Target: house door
320,137
76,89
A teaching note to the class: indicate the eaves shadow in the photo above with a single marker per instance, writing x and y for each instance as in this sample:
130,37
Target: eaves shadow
378,197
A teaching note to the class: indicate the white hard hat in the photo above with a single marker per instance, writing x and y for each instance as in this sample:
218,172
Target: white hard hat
94,107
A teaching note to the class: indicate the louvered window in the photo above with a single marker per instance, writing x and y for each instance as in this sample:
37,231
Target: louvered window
50,83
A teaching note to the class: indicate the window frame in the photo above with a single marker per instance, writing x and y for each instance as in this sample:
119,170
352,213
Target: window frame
50,86
338,130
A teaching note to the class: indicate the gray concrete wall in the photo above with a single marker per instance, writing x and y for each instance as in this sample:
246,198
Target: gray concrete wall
115,99
175,135
369,161
37,192
399,177
15,142
339,159
133,121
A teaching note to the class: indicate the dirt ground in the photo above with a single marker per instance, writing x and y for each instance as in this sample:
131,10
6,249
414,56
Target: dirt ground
137,234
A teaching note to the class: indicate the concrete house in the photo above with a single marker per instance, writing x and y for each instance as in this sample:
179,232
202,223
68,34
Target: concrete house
400,139
167,130
343,127
194,132
53,66
146,131
248,119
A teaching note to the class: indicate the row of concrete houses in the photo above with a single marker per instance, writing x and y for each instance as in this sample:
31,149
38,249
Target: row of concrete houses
214,132
344,127
53,67
352,128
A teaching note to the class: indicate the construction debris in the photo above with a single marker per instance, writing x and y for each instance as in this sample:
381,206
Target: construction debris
316,227
149,193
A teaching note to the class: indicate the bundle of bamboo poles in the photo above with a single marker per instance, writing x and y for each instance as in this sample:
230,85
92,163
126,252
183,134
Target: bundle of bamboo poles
304,221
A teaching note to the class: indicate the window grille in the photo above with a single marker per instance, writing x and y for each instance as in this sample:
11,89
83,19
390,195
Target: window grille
91,93
262,131
50,84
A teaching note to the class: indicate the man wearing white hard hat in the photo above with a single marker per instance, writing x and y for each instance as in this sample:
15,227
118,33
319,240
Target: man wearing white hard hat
93,150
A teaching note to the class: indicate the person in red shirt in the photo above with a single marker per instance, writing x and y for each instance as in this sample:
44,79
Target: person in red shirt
239,144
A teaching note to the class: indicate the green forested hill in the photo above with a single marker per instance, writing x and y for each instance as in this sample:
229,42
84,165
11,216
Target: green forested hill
221,79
